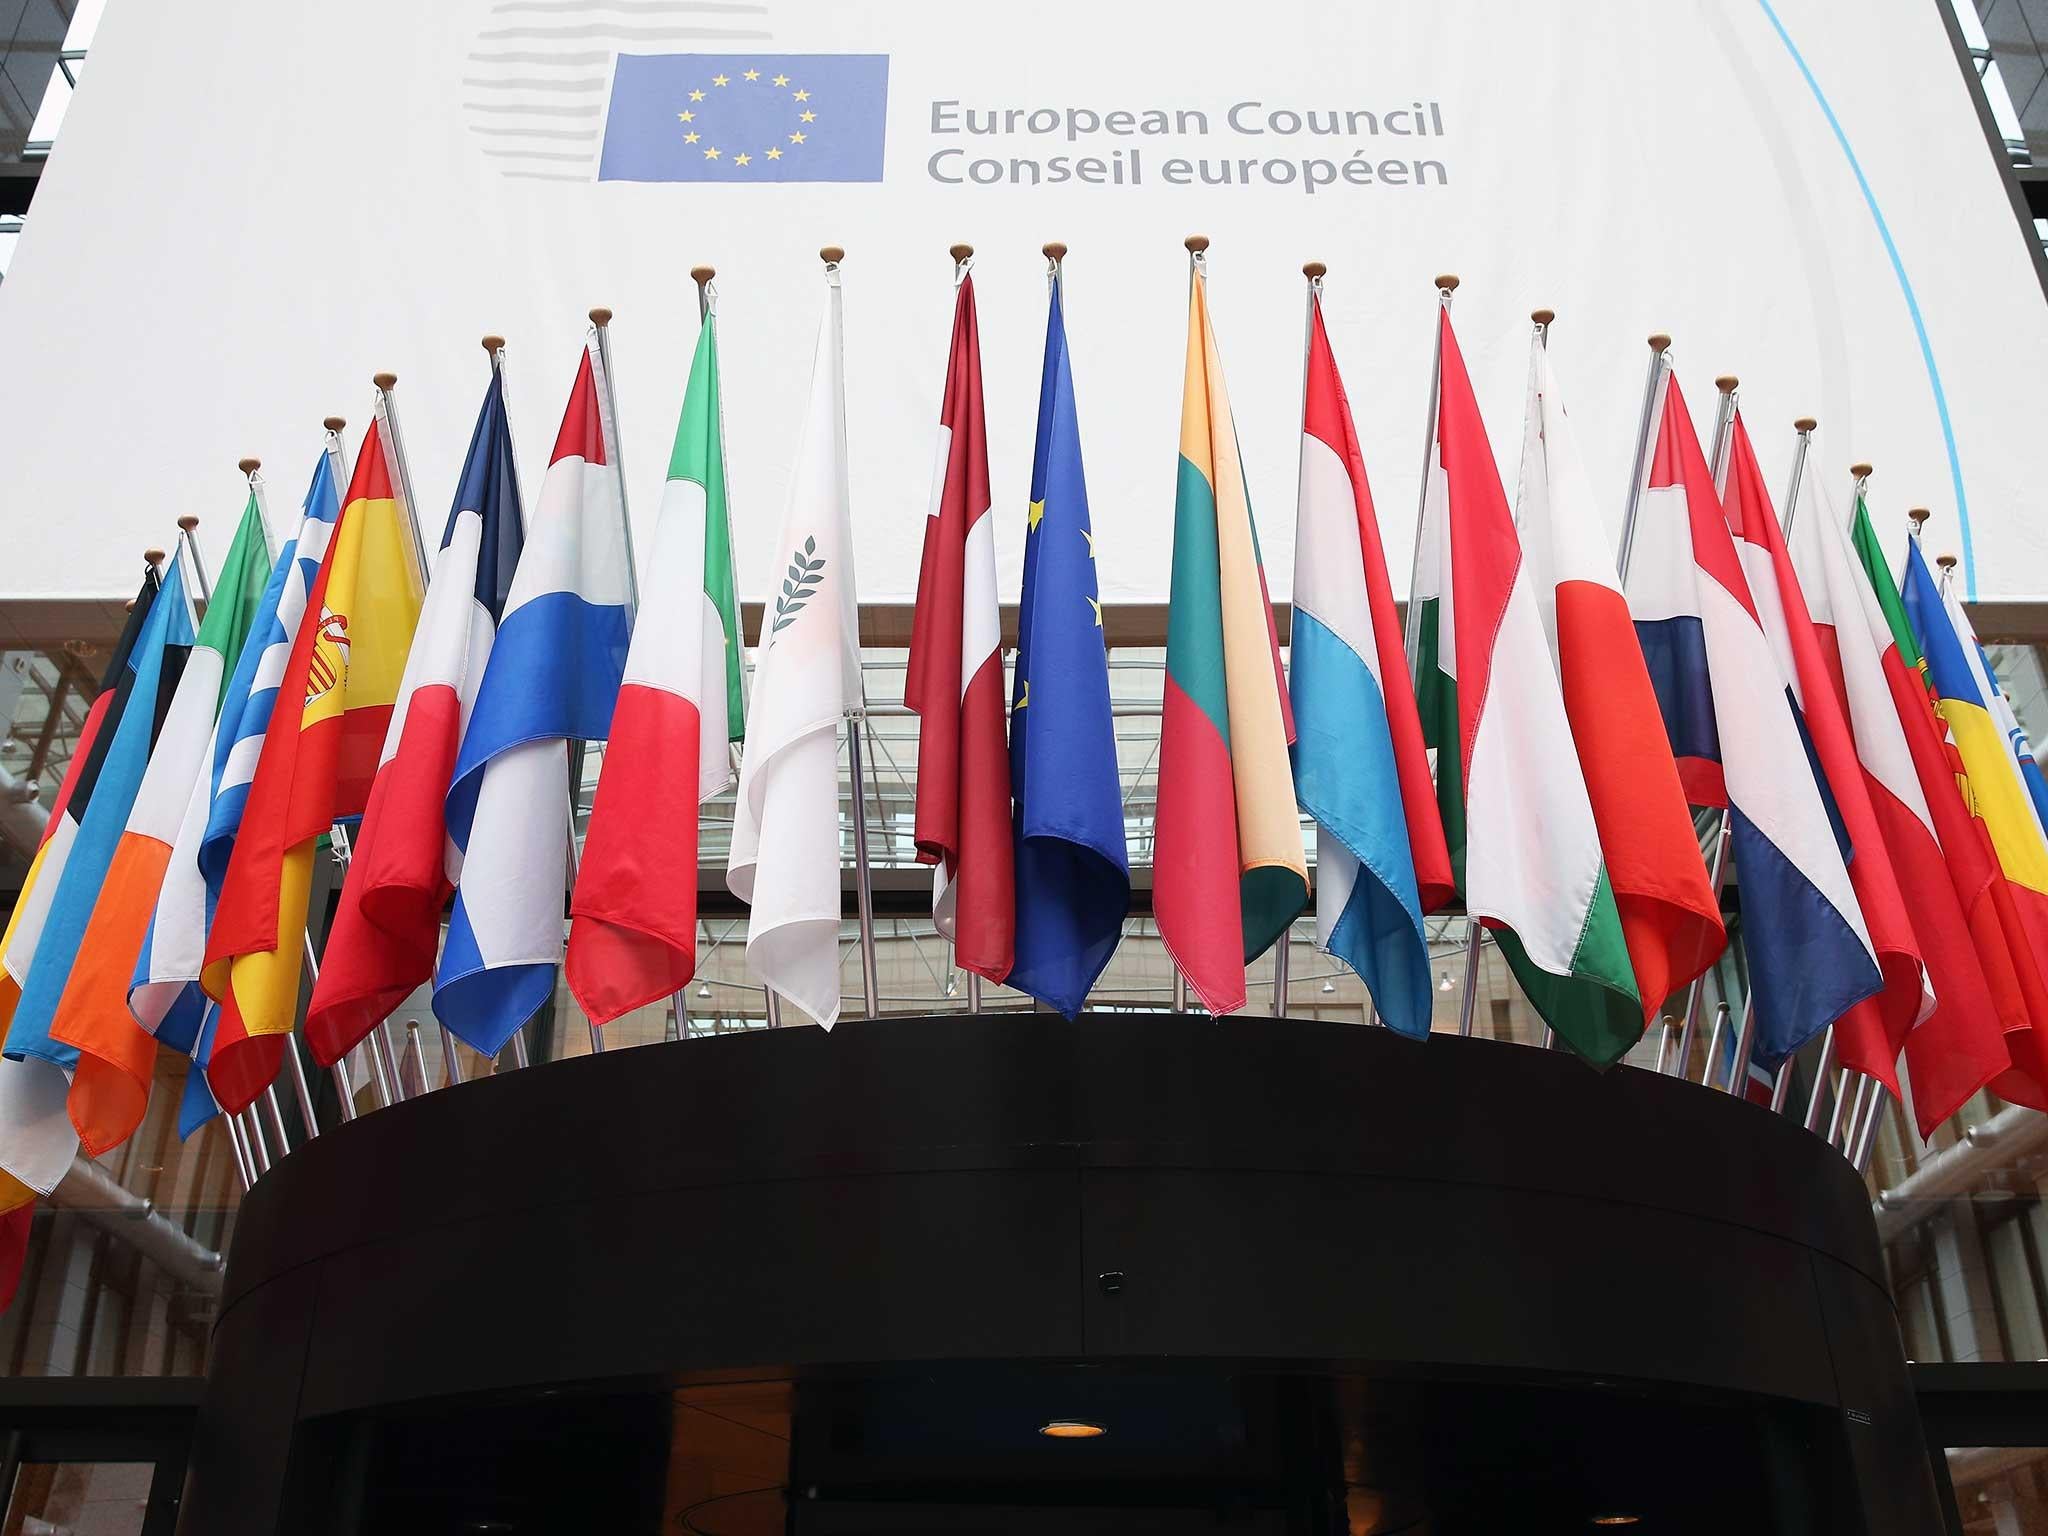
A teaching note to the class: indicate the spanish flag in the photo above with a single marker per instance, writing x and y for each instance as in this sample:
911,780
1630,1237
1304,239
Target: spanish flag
1229,872
318,757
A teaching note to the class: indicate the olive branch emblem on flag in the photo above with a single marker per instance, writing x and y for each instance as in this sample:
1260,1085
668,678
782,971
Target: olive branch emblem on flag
799,586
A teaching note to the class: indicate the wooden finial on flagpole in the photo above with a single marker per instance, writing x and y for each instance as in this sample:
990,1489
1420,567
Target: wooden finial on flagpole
1542,317
702,275
1919,516
1659,342
1196,244
1946,562
1314,270
153,556
1860,471
1447,282
832,255
129,606
1726,383
959,252
334,423
493,345
600,317
385,381
188,522
1055,251
248,466
1804,424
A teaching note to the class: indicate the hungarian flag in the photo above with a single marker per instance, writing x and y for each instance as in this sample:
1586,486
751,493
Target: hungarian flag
1360,768
633,934
1870,1035
37,1140
553,679
785,823
1670,918
1960,1046
388,924
332,712
955,682
1228,870
1513,797
110,1086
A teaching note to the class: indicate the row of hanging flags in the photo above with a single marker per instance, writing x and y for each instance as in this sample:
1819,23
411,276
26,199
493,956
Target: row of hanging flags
1885,813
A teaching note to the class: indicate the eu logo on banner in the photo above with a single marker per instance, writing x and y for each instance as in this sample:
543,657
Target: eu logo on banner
742,117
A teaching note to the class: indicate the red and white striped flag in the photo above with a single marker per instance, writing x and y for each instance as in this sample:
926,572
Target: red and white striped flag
955,682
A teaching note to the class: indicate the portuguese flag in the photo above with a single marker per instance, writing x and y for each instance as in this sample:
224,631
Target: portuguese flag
1524,845
1228,870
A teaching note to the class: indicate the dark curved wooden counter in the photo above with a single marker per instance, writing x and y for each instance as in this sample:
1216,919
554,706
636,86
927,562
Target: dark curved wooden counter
1018,1188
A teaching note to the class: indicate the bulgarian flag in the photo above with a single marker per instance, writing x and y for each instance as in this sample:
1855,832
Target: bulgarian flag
1228,871
1960,1047
319,756
116,1056
633,933
1523,840
1670,918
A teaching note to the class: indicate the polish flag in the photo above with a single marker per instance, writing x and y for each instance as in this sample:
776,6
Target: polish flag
955,682
1870,1035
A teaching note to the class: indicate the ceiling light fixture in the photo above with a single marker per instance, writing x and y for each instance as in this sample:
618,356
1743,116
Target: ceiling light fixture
1071,1429
1617,1519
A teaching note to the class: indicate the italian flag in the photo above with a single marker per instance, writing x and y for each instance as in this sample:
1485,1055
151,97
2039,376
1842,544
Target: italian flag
633,931
1523,841
1229,873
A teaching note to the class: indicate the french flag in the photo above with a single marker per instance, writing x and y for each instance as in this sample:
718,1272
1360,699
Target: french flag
389,922
1732,730
553,677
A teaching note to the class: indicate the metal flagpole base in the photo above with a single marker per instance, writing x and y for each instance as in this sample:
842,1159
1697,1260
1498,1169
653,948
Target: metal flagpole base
1823,1070
1745,1042
973,992
284,1143
1667,1028
771,1007
519,1056
1280,972
1846,1111
1475,937
259,1151
384,1068
597,1039
863,870
345,1090
451,1066
1866,1139
301,1089
1180,990
1714,1044
234,1135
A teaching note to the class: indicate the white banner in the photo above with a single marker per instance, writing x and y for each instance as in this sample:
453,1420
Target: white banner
254,207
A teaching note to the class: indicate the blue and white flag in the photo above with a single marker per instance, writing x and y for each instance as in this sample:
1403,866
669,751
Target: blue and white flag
553,677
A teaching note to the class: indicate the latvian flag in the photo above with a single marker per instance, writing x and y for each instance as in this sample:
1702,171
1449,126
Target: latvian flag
955,682
1730,720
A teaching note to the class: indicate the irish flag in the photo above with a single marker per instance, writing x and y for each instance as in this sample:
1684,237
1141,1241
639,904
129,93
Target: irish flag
1228,871
116,1056
633,930
1669,916
1520,825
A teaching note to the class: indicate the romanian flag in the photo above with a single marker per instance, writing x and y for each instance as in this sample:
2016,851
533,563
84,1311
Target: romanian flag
1229,874
319,756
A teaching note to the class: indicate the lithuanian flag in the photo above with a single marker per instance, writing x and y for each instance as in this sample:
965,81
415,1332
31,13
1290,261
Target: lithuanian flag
1228,872
318,758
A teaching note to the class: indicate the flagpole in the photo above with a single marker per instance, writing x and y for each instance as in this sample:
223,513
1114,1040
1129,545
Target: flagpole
1660,361
1411,618
234,1135
608,407
963,258
1314,272
863,874
1542,320
1717,869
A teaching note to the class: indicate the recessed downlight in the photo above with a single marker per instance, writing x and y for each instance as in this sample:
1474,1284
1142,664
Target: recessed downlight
1617,1519
1071,1429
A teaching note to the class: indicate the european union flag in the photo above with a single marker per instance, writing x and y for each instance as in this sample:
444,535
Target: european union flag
1073,872
742,117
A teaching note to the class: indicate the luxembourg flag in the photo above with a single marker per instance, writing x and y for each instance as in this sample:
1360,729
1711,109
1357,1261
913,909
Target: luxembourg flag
1360,768
553,677
1730,721
388,925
